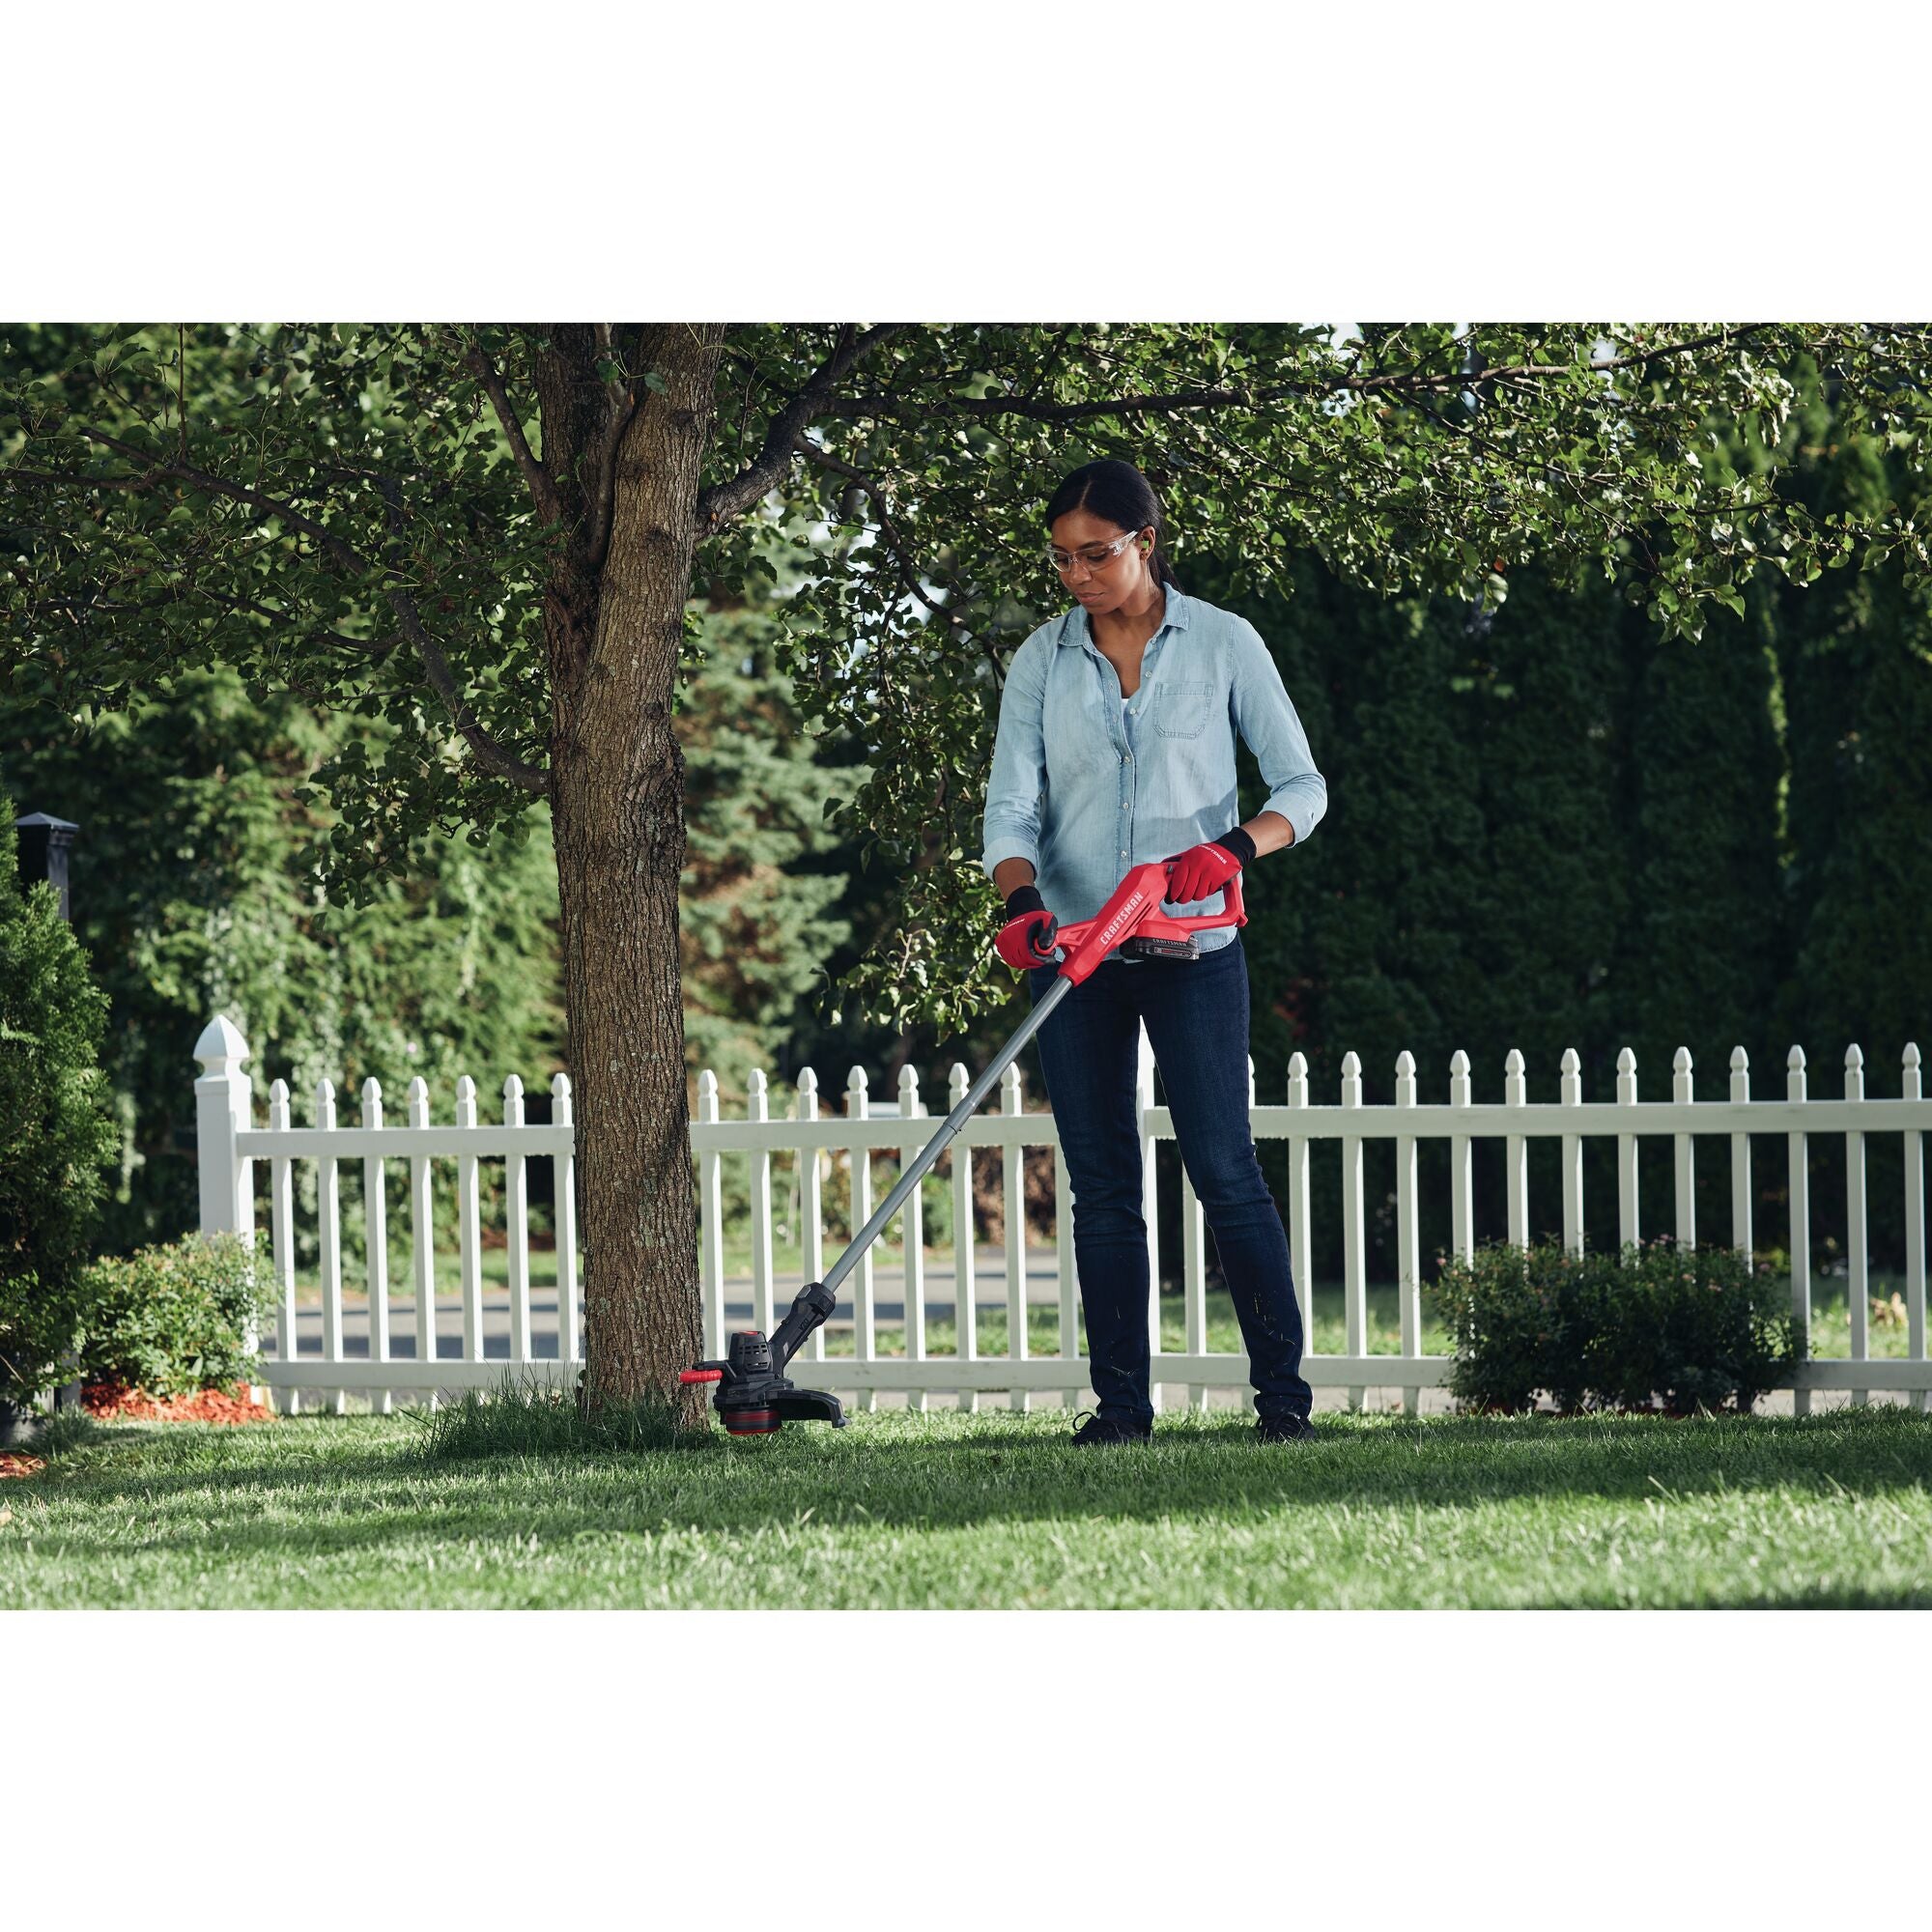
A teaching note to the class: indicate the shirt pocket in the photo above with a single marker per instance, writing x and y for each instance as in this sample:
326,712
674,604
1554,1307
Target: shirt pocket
1183,708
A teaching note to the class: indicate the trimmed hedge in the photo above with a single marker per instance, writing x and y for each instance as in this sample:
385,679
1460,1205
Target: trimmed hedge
1651,1326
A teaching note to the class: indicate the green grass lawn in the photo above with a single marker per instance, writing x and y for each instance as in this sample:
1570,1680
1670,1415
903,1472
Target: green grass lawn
949,1510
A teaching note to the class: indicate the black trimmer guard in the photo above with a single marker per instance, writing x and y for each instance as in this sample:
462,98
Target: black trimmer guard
754,1397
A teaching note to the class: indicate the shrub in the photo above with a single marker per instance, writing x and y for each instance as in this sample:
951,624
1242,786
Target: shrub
1653,1324
175,1318
56,1134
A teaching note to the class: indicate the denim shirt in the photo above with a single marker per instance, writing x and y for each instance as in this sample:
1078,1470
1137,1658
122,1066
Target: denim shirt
1073,792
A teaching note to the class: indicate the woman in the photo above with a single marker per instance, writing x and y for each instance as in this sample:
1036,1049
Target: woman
1115,744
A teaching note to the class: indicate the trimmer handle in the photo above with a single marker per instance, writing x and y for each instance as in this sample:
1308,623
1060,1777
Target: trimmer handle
1133,912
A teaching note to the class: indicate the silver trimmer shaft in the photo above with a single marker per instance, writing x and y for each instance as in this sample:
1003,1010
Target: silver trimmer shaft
948,1131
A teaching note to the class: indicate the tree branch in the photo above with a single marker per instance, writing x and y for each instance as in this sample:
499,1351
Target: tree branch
490,755
344,553
542,487
895,542
603,496
1398,382
732,499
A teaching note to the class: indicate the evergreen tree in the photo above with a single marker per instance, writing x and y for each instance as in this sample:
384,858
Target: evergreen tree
759,924
55,1135
195,892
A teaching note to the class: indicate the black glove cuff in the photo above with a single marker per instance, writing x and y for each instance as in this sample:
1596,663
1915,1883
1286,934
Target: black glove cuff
1024,898
1239,844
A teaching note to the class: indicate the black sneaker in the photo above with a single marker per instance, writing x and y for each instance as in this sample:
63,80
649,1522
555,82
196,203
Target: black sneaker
1284,1429
1099,1429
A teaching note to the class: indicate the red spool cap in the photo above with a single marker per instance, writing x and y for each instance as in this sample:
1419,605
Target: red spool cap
703,1376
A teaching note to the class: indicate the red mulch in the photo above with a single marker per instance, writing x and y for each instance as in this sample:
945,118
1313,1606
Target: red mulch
11,1465
114,1404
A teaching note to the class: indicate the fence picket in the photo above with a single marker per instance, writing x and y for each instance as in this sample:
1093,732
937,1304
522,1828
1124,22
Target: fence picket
328,1201
811,1205
965,1287
757,1107
1858,1284
1354,1245
711,1224
1685,1155
422,1232
912,1227
468,1227
563,1215
282,1237
376,1231
864,1339
1627,1202
1193,1281
1915,1224
1740,1160
1149,1196
1461,1166
1516,1150
517,1226
1068,1264
1799,1184
1569,1091
1012,1201
1301,1231
1408,1240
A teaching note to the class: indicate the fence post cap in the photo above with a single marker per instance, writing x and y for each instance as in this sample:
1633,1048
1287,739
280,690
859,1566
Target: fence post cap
220,1049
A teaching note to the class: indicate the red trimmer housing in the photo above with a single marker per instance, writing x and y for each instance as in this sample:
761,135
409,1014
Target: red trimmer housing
1132,919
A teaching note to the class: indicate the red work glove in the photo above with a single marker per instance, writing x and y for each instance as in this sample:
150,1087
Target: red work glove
1028,921
1201,871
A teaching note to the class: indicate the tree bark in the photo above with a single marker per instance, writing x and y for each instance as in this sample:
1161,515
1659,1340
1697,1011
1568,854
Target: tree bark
617,797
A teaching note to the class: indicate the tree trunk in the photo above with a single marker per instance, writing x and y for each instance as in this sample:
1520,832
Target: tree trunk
617,797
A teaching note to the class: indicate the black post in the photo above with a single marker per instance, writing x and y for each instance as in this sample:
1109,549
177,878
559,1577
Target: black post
44,845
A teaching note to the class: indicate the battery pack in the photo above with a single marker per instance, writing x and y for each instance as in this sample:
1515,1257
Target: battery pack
1164,949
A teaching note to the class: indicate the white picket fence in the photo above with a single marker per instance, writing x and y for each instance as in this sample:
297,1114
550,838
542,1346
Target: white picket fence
230,1143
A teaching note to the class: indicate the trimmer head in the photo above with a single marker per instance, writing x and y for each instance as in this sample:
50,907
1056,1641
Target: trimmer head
753,1396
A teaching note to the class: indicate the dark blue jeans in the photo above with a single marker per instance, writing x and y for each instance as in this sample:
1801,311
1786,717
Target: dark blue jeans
1197,1021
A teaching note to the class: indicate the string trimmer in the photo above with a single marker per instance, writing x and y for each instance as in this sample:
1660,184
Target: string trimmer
755,1396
